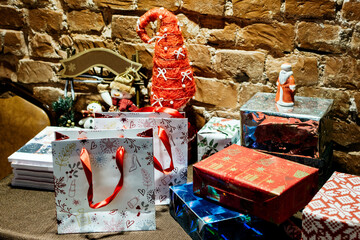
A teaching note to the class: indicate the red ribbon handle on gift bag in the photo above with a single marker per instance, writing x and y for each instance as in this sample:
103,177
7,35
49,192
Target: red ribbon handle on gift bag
85,160
163,135
165,140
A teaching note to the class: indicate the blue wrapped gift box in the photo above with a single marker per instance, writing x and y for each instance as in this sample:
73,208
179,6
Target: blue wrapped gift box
203,219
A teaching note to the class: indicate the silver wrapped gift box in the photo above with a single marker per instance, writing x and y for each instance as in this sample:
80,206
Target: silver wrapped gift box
299,133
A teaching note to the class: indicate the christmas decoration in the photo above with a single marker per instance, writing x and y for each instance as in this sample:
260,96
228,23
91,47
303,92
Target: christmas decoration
173,82
89,114
84,61
121,91
285,86
64,109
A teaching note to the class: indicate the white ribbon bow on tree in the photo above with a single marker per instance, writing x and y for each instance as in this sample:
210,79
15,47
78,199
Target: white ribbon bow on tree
162,72
178,53
185,75
157,100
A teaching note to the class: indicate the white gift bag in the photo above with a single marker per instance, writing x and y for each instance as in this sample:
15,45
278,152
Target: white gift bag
104,181
170,145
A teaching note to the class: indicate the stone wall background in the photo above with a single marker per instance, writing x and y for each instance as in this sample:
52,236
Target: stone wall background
236,46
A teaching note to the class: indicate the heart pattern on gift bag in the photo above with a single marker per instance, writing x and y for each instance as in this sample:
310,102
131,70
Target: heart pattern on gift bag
141,191
129,223
112,212
132,124
93,145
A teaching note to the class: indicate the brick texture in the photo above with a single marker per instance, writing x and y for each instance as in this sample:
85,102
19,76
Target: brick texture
316,9
236,48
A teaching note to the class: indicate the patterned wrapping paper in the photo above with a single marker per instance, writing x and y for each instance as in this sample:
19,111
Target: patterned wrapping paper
298,134
132,209
203,219
334,212
256,183
216,135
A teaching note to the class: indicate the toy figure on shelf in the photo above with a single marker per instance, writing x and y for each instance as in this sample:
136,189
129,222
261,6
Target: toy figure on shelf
173,82
88,114
285,86
121,91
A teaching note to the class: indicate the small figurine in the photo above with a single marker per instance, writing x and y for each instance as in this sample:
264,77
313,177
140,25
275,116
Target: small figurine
285,86
89,114
121,91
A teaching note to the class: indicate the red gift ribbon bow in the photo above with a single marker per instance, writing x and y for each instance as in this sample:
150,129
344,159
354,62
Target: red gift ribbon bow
163,135
85,160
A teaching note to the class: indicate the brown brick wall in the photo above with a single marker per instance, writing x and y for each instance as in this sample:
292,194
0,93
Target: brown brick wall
236,47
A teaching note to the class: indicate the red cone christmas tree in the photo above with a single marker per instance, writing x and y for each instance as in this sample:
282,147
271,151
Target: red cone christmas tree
173,83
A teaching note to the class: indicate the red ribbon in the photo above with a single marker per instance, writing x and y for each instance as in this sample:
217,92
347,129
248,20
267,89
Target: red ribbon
172,112
165,140
163,135
85,160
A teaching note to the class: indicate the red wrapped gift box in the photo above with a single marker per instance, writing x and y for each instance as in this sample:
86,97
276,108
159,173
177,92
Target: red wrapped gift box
266,186
334,212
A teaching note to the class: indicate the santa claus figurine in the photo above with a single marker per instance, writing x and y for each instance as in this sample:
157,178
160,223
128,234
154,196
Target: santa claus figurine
285,86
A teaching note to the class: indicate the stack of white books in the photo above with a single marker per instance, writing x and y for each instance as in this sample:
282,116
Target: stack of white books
32,164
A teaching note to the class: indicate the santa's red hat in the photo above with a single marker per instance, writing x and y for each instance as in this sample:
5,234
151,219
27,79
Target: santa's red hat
173,83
